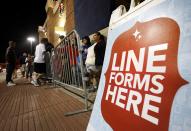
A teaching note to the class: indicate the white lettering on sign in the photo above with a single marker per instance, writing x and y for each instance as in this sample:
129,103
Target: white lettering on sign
134,91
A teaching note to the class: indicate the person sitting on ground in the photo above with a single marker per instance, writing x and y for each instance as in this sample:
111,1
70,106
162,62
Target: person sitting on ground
39,62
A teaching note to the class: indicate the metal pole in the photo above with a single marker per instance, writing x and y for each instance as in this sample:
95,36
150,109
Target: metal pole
31,47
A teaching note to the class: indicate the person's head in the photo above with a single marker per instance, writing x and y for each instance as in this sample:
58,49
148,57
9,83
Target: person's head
61,37
24,54
44,41
29,55
86,40
12,44
97,36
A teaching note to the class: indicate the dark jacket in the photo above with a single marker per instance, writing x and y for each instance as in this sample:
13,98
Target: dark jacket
85,52
49,47
22,60
99,51
10,55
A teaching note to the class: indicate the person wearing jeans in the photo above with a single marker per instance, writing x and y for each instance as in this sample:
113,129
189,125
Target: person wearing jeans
11,62
29,67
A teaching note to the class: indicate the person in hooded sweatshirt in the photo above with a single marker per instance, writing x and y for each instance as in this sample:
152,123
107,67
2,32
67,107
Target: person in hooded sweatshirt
11,63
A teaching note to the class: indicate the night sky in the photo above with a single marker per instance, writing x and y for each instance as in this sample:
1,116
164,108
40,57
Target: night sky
20,19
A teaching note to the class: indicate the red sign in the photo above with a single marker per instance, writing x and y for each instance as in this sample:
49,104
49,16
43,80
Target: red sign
142,78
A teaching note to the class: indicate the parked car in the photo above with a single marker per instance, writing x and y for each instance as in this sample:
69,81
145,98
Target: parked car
2,66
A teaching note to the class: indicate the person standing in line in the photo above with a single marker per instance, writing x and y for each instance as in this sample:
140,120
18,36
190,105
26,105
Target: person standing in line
39,62
23,64
29,67
95,58
84,48
99,50
48,52
96,53
11,62
17,66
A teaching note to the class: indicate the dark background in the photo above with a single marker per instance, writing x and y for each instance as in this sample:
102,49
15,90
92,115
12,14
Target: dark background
94,15
20,19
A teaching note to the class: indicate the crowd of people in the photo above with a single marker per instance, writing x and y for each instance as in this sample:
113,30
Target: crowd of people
93,57
35,67
31,67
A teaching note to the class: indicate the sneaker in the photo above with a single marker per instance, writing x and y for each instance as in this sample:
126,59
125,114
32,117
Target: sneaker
11,84
91,89
49,81
34,83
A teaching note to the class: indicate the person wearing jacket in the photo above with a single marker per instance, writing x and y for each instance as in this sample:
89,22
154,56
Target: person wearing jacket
85,45
47,57
96,53
95,58
99,49
11,62
23,64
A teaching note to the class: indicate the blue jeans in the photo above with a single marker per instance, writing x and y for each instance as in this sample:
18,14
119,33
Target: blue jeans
9,71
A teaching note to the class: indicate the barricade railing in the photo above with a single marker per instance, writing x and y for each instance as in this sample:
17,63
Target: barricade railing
67,67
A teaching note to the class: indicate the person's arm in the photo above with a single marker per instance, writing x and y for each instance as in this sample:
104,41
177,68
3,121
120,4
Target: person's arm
26,60
6,57
9,55
43,50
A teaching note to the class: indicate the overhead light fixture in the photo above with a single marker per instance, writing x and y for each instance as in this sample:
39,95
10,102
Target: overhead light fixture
60,30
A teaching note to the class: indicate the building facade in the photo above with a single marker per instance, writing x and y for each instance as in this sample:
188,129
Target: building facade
59,21
85,16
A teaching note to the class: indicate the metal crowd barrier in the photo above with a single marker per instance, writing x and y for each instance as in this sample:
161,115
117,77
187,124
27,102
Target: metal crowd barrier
67,67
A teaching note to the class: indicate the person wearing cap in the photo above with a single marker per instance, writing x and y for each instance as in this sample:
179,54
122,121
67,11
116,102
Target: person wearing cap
11,62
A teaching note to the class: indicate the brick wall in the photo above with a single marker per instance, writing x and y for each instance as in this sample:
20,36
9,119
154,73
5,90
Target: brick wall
69,6
53,21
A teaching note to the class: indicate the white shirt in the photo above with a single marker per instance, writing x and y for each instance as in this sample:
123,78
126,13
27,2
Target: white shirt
39,53
90,59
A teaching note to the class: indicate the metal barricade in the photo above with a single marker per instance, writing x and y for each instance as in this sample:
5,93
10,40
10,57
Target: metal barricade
67,67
